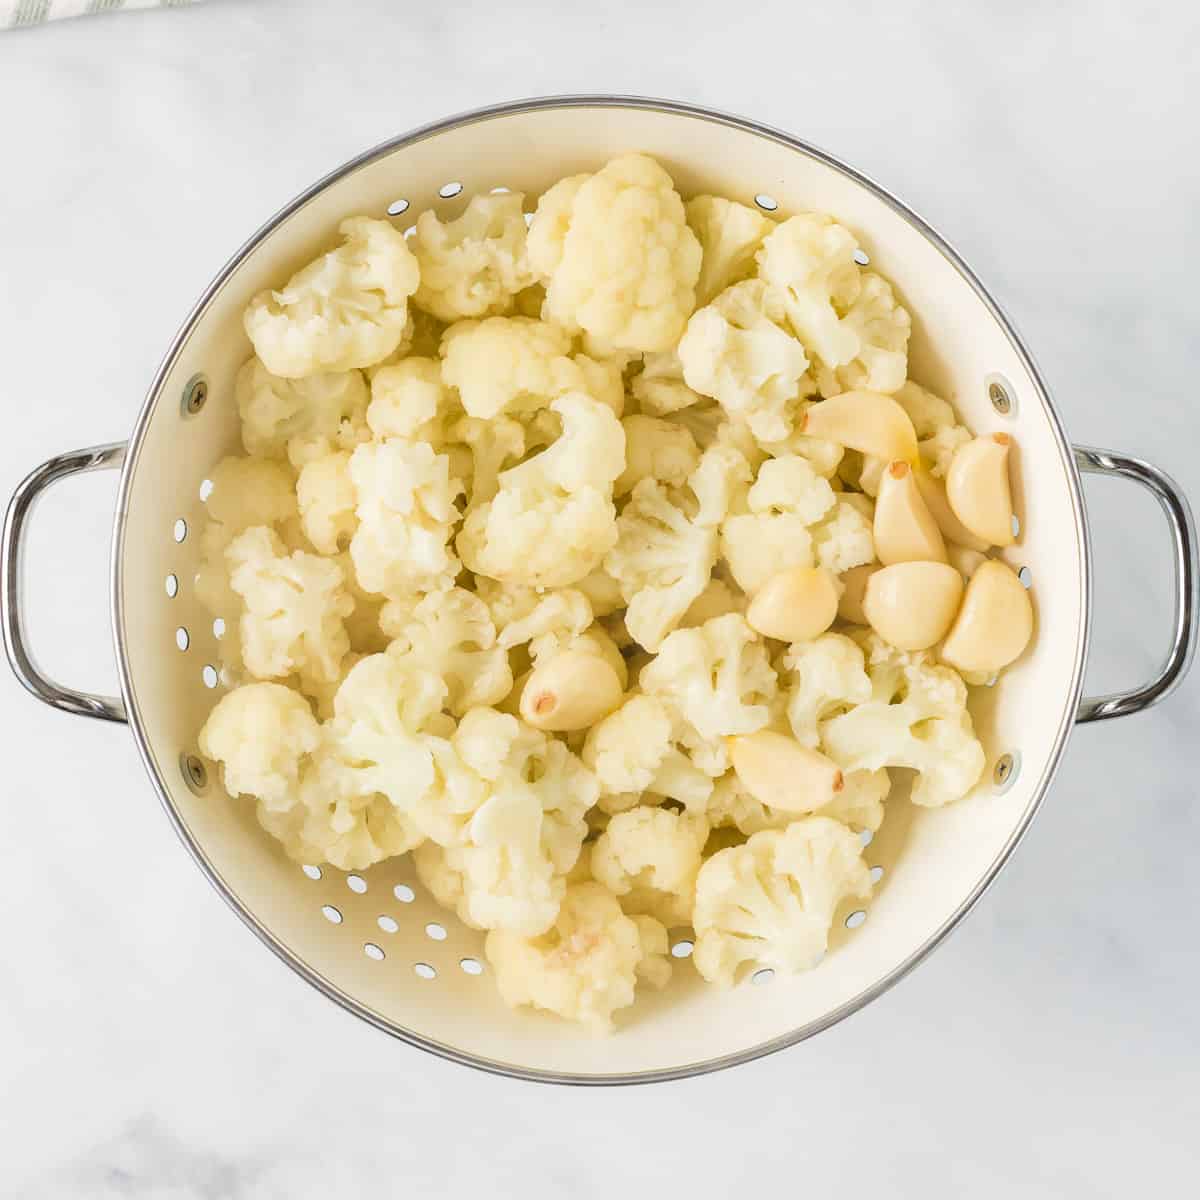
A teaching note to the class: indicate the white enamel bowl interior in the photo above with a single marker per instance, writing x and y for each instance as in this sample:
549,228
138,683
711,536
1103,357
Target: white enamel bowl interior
402,961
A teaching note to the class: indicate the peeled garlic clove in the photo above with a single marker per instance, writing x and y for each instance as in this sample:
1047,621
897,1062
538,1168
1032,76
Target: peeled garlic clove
780,773
994,624
933,492
795,605
869,422
912,604
854,585
903,527
978,490
964,560
570,690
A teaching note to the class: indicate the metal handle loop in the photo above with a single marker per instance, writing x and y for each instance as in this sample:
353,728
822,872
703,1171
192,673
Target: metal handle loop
94,458
1187,608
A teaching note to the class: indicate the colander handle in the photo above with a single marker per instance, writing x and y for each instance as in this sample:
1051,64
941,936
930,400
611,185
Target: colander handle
95,458
1187,601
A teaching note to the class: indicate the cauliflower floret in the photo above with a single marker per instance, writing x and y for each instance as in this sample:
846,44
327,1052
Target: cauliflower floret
301,418
917,717
451,634
844,538
586,966
938,432
387,738
787,497
737,351
494,445
553,520
525,836
825,676
717,599
406,515
659,388
859,805
882,328
552,622
809,262
406,399
347,309
662,561
505,364
650,857
625,270
720,483
332,821
717,677
325,493
260,733
551,221
729,235
633,750
473,266
245,492
295,607
366,634
655,449
602,591
772,900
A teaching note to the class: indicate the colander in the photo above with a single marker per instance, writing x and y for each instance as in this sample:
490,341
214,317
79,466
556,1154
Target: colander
376,942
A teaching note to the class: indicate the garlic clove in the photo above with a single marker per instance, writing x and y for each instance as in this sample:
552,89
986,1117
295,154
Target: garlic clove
904,529
854,584
780,773
933,492
912,604
978,490
994,624
794,606
570,690
964,560
869,422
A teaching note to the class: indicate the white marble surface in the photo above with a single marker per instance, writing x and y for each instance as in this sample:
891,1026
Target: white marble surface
150,1048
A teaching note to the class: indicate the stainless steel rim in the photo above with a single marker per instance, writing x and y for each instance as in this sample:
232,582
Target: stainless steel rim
156,769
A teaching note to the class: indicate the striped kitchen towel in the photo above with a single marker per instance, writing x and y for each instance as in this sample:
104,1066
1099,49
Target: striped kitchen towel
19,14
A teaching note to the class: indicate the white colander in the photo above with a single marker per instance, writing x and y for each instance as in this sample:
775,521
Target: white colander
377,943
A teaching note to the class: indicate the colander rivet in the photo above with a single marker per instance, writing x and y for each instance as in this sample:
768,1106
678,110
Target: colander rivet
999,397
195,772
195,394
1003,770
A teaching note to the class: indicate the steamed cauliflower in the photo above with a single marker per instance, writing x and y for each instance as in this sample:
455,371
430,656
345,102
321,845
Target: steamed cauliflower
649,857
294,607
729,235
300,418
406,516
825,676
514,850
586,966
478,452
655,449
882,328
473,266
737,351
347,309
787,497
625,267
634,750
451,635
717,677
772,901
916,717
553,520
260,733
661,560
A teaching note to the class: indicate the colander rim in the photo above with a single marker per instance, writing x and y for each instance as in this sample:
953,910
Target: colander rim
156,769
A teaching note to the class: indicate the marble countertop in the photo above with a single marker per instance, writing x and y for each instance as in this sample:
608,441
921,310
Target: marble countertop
150,1048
